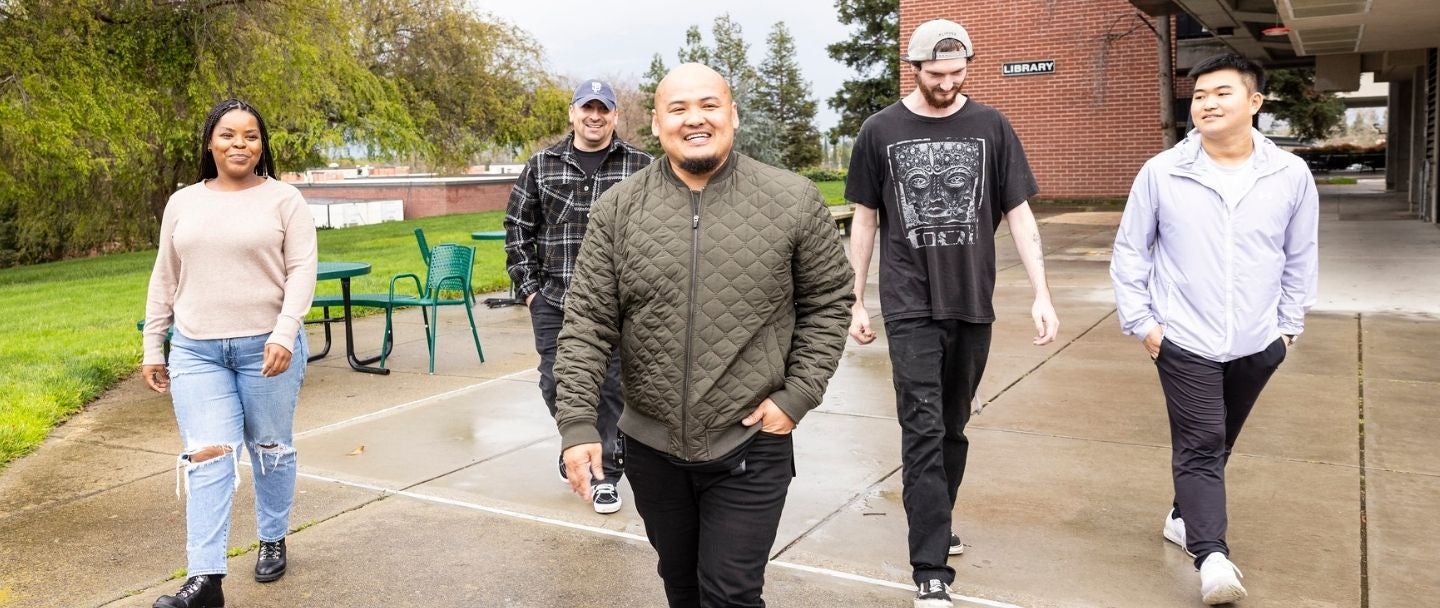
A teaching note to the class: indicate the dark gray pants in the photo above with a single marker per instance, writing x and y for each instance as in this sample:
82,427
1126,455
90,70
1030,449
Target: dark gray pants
937,365
1208,403
547,320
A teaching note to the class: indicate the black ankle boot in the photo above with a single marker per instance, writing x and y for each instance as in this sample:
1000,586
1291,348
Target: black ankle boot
270,564
198,592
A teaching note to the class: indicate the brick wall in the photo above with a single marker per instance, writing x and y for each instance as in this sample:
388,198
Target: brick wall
422,199
1087,127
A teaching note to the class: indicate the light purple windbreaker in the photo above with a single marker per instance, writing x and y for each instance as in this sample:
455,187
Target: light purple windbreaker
1225,282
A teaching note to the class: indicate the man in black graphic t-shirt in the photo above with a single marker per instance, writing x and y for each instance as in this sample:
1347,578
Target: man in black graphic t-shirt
938,171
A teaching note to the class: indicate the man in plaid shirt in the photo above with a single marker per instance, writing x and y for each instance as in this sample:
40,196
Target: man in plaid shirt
544,225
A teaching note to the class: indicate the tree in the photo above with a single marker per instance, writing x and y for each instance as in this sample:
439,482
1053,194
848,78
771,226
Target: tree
1311,115
100,100
756,137
874,53
645,138
470,83
694,50
784,97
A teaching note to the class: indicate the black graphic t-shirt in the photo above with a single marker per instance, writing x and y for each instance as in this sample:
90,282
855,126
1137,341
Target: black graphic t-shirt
941,185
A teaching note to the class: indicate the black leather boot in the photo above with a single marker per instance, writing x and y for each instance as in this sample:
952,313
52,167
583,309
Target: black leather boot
270,563
198,592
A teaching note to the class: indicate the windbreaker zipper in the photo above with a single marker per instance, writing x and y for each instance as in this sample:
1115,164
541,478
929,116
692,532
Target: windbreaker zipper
690,323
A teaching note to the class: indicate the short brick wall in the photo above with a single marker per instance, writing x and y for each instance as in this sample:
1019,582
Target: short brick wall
423,197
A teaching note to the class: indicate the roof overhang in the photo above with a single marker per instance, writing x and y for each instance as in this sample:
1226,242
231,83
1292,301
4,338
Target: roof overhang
1313,28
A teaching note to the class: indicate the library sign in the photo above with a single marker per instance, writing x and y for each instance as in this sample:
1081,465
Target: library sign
1028,68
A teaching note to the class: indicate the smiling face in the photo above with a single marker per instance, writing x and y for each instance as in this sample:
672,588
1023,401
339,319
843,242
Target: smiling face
1223,104
594,124
695,119
236,146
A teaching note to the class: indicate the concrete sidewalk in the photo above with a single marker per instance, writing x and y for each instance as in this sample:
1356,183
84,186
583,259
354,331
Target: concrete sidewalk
422,490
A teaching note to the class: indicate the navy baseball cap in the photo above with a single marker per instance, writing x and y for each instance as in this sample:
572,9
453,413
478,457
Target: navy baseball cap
594,89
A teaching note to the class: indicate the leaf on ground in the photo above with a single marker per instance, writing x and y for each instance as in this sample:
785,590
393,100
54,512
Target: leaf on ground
360,449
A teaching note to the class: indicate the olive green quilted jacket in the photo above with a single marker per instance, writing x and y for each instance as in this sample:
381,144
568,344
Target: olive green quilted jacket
717,299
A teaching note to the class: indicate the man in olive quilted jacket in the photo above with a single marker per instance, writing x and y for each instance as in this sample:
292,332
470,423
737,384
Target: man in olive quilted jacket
724,284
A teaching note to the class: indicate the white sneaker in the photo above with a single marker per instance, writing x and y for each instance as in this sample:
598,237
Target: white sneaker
1220,580
605,499
1174,531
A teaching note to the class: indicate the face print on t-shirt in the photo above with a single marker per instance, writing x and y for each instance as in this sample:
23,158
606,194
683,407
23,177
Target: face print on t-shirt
938,189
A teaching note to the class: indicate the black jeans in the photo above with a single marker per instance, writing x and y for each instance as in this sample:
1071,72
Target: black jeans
547,320
1208,403
937,365
713,523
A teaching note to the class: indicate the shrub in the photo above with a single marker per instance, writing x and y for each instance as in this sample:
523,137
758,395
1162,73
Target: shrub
820,174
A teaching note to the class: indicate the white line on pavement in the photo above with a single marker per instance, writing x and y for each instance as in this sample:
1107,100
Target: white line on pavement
635,537
883,583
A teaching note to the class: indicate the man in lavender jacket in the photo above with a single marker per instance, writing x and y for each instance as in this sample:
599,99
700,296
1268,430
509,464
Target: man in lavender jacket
1214,266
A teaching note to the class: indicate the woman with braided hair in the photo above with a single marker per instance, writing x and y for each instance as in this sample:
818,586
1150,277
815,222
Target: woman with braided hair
233,279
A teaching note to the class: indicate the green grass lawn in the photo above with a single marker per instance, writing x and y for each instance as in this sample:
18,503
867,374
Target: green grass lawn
69,328
834,192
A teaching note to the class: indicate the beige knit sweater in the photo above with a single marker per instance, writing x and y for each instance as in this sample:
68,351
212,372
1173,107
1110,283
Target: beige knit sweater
232,264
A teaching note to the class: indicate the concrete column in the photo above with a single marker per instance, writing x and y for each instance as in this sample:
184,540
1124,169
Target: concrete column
1417,141
1398,135
1432,185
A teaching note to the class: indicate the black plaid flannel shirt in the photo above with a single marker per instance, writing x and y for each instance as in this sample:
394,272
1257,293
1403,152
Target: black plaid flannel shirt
548,210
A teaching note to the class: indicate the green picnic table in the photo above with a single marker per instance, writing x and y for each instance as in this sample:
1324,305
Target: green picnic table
514,299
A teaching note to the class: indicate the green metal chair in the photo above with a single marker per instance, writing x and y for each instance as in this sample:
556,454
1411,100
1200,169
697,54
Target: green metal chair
424,248
448,270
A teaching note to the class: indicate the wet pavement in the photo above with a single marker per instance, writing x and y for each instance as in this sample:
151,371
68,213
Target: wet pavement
440,490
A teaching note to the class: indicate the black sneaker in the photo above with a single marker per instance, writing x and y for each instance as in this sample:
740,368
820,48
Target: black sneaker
605,499
956,547
270,562
198,592
933,594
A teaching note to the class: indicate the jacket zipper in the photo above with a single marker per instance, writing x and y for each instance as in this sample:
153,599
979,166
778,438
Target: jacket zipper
690,323
1229,241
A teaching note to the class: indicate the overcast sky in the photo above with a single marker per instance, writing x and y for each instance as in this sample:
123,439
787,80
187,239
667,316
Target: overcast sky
617,39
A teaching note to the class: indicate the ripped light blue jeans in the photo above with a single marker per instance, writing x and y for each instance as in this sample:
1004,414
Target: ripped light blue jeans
222,401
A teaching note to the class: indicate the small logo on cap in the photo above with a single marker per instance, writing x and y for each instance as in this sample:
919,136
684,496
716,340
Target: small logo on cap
595,87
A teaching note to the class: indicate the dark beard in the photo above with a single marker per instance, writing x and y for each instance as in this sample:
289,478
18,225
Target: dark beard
700,166
931,96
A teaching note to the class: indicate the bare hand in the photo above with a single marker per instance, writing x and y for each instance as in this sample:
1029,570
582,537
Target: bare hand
157,377
277,360
530,298
860,324
1152,341
1047,323
582,463
772,419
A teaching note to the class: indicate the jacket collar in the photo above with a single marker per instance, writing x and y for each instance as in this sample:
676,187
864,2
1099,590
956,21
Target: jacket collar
1188,151
719,176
